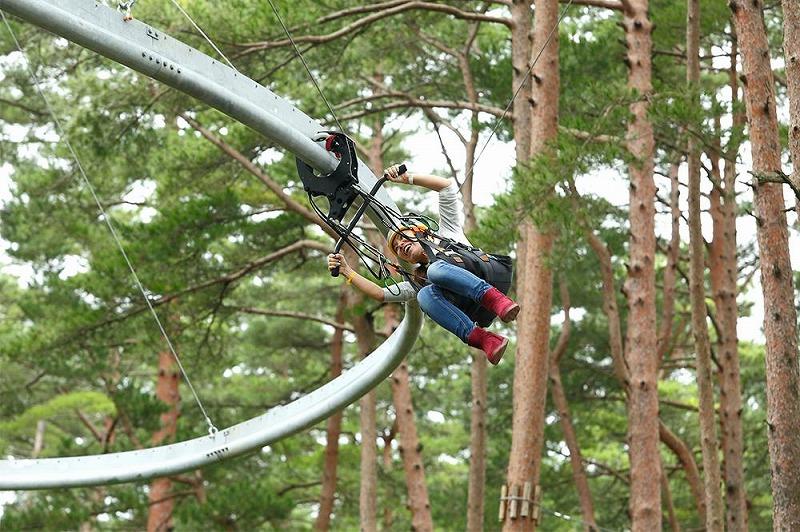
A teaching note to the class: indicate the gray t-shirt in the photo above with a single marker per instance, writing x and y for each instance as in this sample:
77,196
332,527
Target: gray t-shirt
450,226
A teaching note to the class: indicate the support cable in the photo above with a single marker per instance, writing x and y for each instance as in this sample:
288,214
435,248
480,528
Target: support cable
63,135
206,37
517,91
300,55
581,524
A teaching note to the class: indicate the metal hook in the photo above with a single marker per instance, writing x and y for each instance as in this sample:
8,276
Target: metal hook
125,6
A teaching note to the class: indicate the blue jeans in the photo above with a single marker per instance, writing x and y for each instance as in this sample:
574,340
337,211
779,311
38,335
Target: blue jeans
445,276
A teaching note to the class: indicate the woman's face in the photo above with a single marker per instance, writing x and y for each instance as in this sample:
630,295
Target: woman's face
405,247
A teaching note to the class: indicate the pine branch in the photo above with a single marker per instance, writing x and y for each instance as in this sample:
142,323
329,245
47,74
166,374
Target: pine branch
247,164
393,9
292,314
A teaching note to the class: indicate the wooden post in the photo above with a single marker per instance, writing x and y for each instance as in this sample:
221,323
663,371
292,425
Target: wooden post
501,515
525,511
514,502
537,510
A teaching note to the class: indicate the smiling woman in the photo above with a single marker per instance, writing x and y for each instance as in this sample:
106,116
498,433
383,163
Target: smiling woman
459,286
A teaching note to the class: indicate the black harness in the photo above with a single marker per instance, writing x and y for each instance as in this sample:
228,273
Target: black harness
496,270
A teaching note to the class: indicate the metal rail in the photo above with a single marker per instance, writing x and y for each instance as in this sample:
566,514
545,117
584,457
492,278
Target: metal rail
250,435
161,57
155,54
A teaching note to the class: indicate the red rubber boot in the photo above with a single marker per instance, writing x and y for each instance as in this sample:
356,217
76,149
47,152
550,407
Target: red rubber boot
490,343
496,301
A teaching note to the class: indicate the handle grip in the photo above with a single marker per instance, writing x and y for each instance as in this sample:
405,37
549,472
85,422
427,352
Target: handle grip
402,170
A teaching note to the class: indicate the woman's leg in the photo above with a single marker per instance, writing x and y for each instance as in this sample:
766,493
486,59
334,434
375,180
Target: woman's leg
467,284
457,280
447,315
433,302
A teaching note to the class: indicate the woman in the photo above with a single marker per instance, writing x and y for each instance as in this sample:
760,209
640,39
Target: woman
451,276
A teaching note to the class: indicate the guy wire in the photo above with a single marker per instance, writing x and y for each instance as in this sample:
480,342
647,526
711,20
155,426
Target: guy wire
63,135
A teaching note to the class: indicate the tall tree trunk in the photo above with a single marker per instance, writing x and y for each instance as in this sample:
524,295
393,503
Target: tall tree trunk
411,451
671,269
365,337
477,445
705,384
391,318
621,371
666,494
334,429
410,446
159,517
477,433
368,497
723,263
565,419
520,61
388,514
641,355
791,52
780,317
616,347
535,292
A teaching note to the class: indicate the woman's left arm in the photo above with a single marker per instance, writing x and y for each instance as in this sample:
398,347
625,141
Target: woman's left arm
431,182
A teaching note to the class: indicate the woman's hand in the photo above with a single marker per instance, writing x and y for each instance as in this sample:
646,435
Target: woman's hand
337,260
394,175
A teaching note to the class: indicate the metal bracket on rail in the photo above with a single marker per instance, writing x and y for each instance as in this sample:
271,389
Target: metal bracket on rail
337,186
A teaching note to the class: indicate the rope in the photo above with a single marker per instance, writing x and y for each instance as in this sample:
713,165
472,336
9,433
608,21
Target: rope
577,520
63,135
300,55
206,37
516,92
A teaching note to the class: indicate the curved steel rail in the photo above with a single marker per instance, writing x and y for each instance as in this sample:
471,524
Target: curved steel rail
249,435
155,54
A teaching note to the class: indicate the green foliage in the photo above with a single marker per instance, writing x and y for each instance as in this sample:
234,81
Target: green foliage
91,402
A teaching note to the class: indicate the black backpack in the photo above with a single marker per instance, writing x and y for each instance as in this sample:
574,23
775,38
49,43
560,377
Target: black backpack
497,270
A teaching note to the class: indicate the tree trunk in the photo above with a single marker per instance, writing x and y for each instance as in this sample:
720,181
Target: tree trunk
520,61
565,419
705,384
621,371
791,52
780,317
388,514
641,355
671,269
365,338
411,451
666,494
410,446
477,446
159,517
326,498
723,264
477,434
391,318
534,292
368,497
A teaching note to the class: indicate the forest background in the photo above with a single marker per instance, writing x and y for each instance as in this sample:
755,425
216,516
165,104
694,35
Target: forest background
216,223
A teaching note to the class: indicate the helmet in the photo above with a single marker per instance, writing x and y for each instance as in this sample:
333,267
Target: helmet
394,233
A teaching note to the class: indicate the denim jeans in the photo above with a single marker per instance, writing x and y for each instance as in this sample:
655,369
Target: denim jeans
445,276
